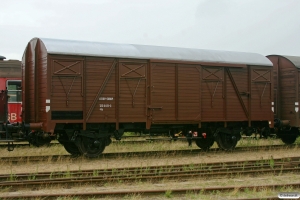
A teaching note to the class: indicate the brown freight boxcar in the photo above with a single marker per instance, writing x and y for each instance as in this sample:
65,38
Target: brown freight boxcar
85,92
286,96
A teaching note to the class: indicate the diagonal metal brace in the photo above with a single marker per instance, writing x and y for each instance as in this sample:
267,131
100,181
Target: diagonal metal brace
101,89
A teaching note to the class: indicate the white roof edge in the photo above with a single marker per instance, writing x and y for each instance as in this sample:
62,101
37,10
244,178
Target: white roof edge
101,49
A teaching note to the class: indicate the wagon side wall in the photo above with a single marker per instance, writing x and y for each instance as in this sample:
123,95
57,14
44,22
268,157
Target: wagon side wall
287,91
288,81
94,90
196,94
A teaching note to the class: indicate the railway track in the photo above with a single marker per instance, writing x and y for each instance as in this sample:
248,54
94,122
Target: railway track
202,169
139,154
54,158
149,193
38,181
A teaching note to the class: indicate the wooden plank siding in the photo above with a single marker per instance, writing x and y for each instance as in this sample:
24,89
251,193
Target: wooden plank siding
96,71
178,92
286,88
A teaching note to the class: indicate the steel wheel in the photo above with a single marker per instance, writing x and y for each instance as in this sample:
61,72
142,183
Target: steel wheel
72,148
289,136
205,144
226,141
288,139
265,132
91,147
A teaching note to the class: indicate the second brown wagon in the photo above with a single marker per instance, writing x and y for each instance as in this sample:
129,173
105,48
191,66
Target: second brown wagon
286,96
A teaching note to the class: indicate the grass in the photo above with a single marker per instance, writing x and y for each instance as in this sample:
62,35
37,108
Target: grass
163,159
237,180
247,193
168,194
272,162
12,176
68,173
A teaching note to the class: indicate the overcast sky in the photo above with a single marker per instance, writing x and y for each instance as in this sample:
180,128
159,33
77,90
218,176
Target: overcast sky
261,26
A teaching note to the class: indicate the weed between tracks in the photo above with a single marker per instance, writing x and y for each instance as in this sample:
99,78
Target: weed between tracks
169,185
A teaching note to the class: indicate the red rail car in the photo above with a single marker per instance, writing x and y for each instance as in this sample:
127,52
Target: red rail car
10,80
286,96
10,95
85,92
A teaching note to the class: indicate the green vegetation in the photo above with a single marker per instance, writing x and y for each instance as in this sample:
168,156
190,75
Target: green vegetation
191,161
168,194
12,176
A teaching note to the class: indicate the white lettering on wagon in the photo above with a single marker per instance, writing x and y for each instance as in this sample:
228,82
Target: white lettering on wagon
105,106
12,116
106,98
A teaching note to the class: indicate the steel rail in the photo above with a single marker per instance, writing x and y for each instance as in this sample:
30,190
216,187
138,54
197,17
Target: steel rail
147,193
194,168
144,176
156,176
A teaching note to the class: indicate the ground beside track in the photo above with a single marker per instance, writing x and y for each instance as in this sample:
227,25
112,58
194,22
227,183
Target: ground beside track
131,161
103,163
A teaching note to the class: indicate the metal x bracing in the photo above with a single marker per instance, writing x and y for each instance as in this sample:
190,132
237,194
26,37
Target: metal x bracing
212,73
133,70
67,67
261,74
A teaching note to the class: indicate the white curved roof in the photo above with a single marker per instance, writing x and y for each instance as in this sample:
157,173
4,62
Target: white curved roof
100,49
293,59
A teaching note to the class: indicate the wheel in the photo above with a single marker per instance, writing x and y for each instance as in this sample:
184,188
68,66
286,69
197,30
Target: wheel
288,139
226,141
91,147
72,148
205,144
265,132
289,135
